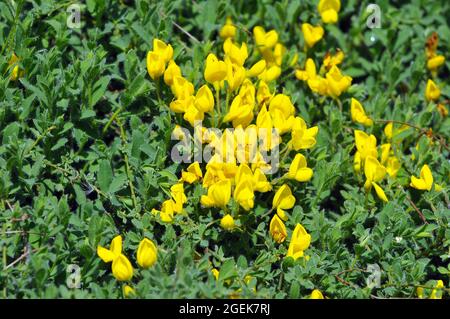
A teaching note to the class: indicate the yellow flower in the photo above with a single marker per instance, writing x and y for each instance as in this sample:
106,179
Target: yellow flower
13,62
177,193
166,212
260,181
319,84
244,195
218,194
155,65
300,241
234,53
121,268
365,144
278,52
308,73
432,91
193,114
240,113
235,75
435,62
270,74
316,294
215,273
204,99
328,10
256,69
115,249
374,172
215,70
263,95
358,113
265,40
147,253
128,291
227,222
277,229
337,83
298,169
282,123
182,88
330,60
165,51
283,199
172,71
192,174
312,34
228,30
425,181
391,133
302,137
283,103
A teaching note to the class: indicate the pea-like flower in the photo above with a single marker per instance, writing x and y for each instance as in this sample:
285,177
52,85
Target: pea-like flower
277,229
328,10
192,174
172,71
228,30
425,182
165,51
432,91
244,195
374,172
302,137
435,62
204,99
236,54
337,82
312,34
218,194
121,266
147,253
316,294
300,241
265,40
128,291
365,144
227,222
358,113
298,169
282,200
155,65
215,70
256,69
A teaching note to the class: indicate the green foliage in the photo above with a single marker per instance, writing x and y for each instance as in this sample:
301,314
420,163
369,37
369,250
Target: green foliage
85,154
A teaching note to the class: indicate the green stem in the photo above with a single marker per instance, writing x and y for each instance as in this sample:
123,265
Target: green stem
127,165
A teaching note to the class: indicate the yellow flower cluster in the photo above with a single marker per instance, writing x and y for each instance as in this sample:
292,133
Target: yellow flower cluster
329,80
122,269
434,62
366,157
436,293
256,113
